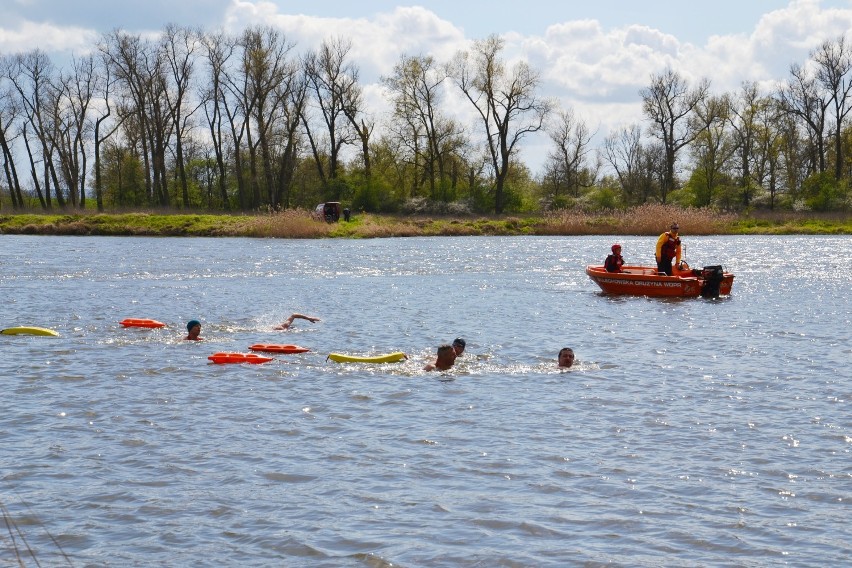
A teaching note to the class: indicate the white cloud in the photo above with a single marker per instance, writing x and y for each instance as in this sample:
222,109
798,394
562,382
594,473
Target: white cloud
803,24
47,37
587,62
377,42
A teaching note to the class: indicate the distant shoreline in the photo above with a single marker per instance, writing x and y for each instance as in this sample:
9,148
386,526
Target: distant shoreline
298,224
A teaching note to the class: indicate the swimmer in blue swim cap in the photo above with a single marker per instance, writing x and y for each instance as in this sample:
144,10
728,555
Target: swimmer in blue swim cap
458,346
194,329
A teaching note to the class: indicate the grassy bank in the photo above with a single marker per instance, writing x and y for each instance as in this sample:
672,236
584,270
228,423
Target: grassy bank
644,220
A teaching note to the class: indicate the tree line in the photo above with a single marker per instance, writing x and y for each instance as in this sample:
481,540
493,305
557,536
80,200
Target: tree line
245,122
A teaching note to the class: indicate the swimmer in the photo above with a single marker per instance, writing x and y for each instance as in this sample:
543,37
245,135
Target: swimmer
194,329
289,321
458,346
566,357
446,358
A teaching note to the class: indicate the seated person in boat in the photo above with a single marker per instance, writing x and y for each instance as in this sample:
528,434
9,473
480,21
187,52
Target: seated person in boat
289,321
566,357
194,330
668,248
445,360
614,262
458,346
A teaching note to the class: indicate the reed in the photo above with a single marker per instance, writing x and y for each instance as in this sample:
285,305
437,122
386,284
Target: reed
648,219
290,224
654,219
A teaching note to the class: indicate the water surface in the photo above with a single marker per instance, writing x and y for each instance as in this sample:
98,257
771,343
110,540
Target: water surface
690,432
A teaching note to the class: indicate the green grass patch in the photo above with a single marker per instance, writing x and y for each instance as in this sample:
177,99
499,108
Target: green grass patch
792,224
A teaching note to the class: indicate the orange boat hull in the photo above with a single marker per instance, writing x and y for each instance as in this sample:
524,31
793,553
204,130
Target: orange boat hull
645,281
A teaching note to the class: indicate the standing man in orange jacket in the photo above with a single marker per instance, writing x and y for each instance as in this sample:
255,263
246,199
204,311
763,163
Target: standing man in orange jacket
668,248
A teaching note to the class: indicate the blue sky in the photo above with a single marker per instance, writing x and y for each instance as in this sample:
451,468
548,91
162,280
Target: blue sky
690,21
594,56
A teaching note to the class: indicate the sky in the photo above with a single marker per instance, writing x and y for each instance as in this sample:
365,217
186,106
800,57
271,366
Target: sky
593,56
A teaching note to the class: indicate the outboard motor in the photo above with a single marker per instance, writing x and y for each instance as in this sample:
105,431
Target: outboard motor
712,276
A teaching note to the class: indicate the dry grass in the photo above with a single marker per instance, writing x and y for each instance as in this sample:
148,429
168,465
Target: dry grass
649,219
290,224
375,231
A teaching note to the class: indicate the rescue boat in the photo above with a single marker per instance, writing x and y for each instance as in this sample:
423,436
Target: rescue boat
708,282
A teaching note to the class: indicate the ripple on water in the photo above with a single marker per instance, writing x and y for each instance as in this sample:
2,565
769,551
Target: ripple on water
688,432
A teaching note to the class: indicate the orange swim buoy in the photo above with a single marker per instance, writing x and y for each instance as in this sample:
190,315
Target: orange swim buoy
275,348
220,358
137,322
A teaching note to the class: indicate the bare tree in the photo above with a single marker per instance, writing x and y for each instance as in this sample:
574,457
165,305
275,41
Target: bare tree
72,98
624,152
404,142
743,119
801,98
712,146
834,63
178,46
160,124
667,103
218,51
269,76
768,140
236,103
506,100
141,78
353,110
9,116
332,81
568,159
294,96
796,153
106,96
31,75
416,88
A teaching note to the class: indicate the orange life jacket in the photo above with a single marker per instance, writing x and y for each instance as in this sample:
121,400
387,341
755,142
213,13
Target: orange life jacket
669,248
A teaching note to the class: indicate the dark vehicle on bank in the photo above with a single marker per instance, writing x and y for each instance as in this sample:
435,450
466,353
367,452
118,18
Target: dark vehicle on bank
328,211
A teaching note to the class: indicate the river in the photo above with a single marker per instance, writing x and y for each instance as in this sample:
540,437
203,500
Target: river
689,432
